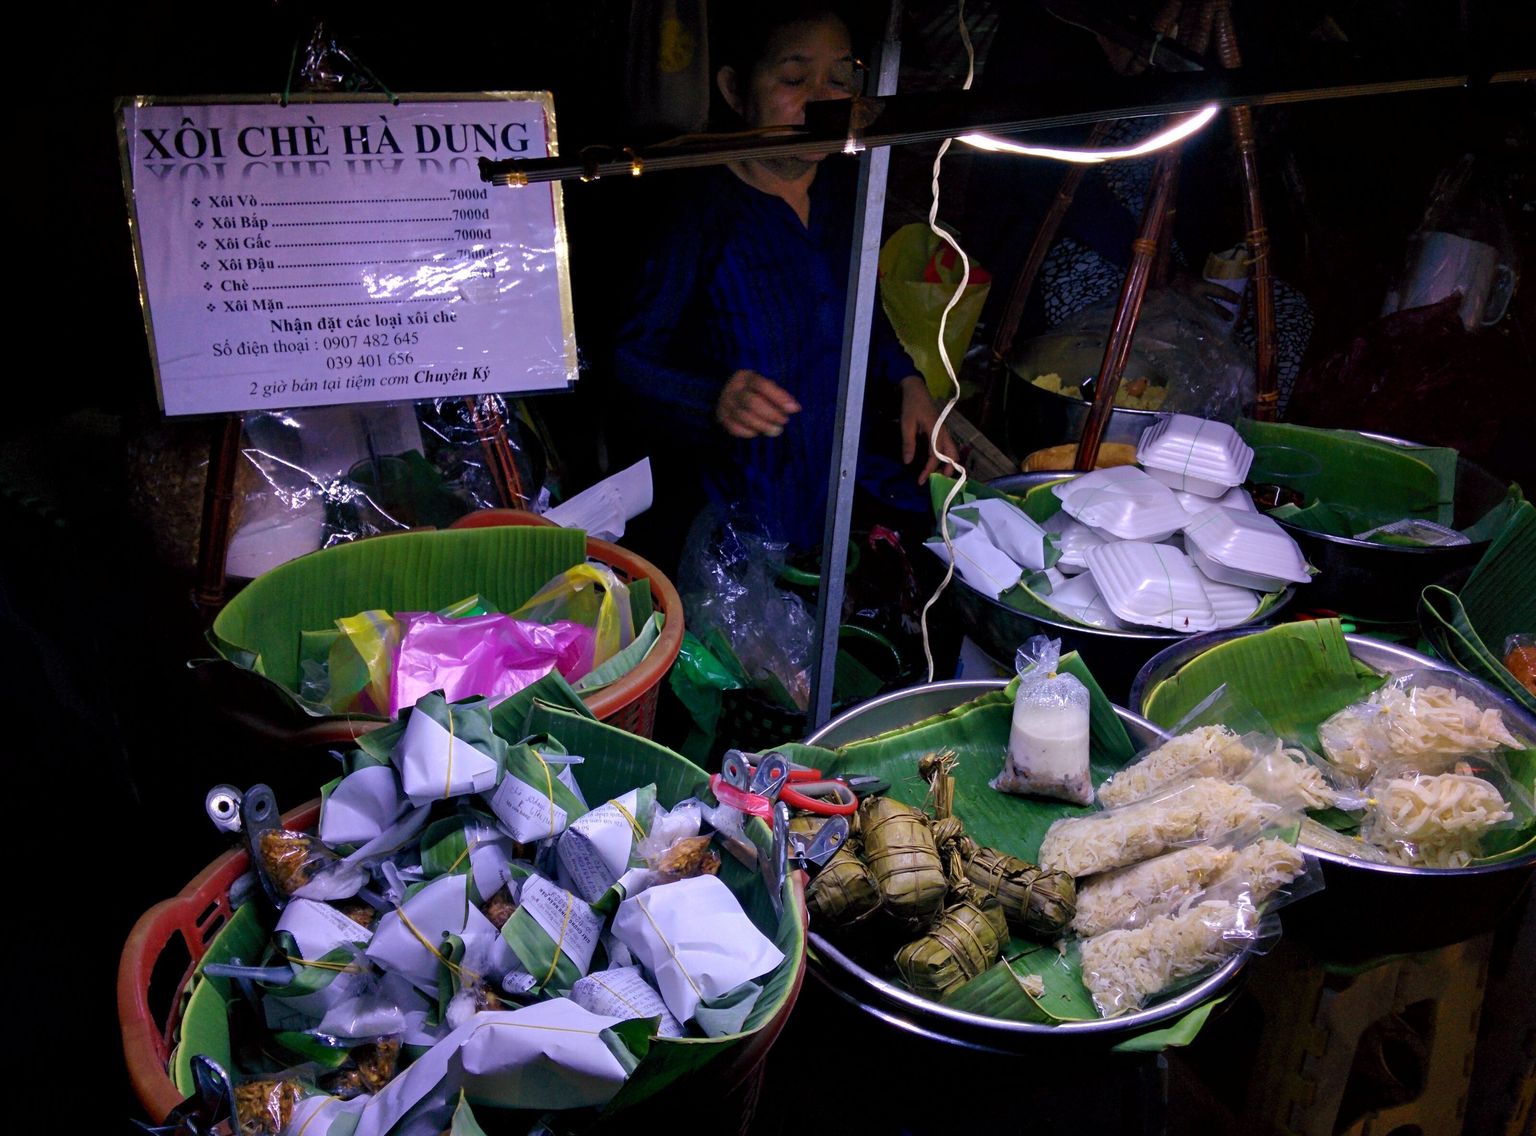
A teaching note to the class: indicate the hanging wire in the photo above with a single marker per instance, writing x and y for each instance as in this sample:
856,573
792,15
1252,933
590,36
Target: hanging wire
949,367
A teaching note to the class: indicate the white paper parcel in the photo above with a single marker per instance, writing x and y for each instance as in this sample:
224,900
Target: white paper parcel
434,765
595,850
401,942
695,939
361,806
548,1055
1014,532
980,565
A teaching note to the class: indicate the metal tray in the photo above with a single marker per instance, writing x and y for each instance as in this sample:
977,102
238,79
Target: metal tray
911,1014
1367,910
1113,656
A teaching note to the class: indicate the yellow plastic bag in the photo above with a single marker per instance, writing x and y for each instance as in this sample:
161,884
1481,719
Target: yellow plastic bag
361,662
590,594
918,275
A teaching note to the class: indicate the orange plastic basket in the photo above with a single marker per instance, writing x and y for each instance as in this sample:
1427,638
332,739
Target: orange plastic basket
629,703
201,909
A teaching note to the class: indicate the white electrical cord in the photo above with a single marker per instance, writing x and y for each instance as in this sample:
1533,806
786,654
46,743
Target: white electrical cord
949,367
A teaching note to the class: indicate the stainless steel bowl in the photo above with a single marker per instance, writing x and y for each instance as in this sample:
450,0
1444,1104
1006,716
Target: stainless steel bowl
1382,582
1114,657
1037,418
1367,910
919,1017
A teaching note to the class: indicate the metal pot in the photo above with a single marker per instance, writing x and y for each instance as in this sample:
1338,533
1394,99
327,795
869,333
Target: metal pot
1114,657
918,1017
1382,581
1368,910
1037,418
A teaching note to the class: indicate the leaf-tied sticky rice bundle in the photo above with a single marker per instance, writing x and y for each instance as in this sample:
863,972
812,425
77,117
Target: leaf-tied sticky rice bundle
900,851
965,941
844,892
1037,902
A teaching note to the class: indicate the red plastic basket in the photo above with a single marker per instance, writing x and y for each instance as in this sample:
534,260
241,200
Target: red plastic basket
202,908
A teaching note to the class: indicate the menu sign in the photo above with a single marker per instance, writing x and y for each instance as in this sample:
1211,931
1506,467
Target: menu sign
344,249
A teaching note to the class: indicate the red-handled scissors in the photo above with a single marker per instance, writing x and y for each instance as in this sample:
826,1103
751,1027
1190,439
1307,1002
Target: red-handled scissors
808,791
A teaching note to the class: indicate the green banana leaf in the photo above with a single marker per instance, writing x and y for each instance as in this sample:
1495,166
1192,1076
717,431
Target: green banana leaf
205,1019
1297,675
1449,628
1360,482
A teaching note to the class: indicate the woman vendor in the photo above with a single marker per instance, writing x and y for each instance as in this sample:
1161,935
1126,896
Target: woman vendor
731,346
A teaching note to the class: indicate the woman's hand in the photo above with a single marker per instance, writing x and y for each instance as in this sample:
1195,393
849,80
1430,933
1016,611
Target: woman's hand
751,405
918,417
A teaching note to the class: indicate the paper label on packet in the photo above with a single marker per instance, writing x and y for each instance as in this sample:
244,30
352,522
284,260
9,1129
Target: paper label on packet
528,814
565,918
623,992
318,928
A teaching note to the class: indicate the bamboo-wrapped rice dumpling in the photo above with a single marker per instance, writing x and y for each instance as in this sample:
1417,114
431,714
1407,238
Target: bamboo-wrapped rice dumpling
967,939
900,851
1037,902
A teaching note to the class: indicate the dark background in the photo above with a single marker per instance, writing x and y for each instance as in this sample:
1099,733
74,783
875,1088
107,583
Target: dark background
118,745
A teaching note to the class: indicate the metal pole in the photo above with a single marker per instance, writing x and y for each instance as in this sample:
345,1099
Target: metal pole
857,319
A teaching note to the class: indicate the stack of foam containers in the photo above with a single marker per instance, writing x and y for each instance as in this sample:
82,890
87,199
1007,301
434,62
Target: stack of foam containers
1173,544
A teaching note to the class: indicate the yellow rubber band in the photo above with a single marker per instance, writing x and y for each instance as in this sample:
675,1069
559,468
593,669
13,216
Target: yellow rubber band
321,964
633,823
640,902
570,901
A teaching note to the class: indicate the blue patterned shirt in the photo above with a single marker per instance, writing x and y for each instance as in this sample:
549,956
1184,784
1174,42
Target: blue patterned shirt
733,281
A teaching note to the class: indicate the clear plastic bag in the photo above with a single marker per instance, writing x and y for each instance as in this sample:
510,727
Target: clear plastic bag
1440,820
1180,359
1048,742
1422,721
731,599
319,476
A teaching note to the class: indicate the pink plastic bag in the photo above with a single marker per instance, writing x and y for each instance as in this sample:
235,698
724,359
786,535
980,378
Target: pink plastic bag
490,655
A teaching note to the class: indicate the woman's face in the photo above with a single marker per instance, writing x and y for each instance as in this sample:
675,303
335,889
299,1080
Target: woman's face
802,62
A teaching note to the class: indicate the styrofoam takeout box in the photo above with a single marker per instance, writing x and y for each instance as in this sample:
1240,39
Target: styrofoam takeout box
1152,584
1122,502
1246,549
1194,454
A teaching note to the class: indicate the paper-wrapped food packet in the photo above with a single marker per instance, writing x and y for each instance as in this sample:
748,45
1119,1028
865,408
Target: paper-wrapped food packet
470,843
361,806
447,749
1048,748
695,939
323,946
553,1054
408,940
623,992
600,846
553,932
536,797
